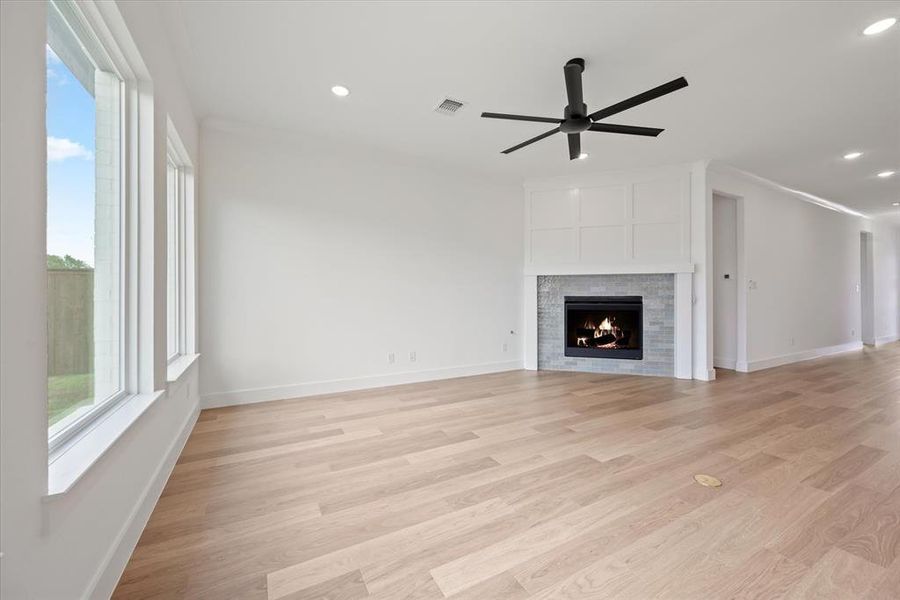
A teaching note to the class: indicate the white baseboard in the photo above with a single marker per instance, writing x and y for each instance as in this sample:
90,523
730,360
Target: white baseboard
724,363
785,359
886,339
107,577
701,373
315,388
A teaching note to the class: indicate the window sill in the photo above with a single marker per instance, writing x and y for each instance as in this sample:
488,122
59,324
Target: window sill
70,462
179,366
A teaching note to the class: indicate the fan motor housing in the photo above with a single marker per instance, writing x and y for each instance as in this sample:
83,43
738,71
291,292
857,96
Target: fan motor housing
575,123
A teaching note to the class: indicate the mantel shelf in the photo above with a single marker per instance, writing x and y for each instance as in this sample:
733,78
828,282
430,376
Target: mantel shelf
589,269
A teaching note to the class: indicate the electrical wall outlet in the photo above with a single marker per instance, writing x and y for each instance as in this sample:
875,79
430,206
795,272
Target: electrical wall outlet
412,357
792,341
504,347
391,358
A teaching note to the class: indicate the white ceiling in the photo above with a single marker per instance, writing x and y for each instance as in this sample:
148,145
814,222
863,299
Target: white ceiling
780,89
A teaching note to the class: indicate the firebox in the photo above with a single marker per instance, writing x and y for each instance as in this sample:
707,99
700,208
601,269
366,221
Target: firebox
604,326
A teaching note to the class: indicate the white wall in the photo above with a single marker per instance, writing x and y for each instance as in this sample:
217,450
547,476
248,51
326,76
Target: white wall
805,260
320,259
76,545
886,255
637,218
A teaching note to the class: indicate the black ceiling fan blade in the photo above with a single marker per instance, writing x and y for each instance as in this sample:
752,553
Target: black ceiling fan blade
627,129
574,92
662,90
531,141
490,115
574,145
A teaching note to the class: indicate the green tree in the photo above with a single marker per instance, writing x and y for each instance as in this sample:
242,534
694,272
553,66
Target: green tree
65,262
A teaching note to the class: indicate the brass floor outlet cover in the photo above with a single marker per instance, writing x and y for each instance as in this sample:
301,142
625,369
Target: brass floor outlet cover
707,480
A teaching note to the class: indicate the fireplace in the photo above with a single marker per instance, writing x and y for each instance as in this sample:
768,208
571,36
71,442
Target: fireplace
604,326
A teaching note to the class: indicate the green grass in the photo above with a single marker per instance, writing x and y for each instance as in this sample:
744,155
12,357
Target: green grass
68,392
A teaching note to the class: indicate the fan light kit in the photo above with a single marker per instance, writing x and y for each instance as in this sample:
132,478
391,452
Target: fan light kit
879,26
852,155
340,90
577,119
885,174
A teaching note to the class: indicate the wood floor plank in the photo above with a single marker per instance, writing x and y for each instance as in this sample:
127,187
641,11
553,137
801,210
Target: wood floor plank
401,542
886,586
349,586
839,515
845,467
542,485
766,575
557,563
877,537
837,575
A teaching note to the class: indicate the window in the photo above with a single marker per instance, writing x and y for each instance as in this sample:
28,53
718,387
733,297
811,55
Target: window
173,289
179,244
174,244
85,303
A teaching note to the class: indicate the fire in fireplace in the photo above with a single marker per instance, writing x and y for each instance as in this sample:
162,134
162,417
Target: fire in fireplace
604,326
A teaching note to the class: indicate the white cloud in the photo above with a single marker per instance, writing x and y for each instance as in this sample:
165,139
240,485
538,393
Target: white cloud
55,77
52,74
63,148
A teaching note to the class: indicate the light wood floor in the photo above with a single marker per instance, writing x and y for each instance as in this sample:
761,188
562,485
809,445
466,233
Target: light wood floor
543,485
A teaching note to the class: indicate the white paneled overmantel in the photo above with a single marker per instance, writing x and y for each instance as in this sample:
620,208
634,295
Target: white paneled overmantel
624,222
611,220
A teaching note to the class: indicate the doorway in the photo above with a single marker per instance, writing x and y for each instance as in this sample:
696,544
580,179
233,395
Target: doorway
866,288
725,286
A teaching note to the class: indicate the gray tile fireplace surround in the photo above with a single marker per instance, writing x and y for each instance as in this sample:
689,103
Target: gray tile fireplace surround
658,292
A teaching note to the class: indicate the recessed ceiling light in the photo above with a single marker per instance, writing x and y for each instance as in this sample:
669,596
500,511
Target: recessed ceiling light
879,26
852,155
885,173
583,156
340,90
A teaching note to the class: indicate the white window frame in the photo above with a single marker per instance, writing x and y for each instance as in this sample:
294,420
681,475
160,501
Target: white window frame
183,205
174,228
86,19
69,15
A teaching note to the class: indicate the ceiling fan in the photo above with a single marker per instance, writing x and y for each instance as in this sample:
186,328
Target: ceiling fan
576,118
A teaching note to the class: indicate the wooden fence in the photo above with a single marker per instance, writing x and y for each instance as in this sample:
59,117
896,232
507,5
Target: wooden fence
70,321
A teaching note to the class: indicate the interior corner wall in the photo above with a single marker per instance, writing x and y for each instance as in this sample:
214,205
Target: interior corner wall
76,545
320,260
702,283
886,256
804,262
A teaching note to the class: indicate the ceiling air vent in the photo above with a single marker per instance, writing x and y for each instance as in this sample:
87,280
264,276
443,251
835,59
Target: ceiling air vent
448,106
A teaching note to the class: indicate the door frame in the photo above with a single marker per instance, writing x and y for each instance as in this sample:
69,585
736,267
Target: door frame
867,288
743,304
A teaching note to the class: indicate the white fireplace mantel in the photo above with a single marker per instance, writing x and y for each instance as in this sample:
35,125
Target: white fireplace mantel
683,305
620,269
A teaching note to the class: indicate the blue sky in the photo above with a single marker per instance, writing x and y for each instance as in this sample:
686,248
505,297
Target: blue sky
70,163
